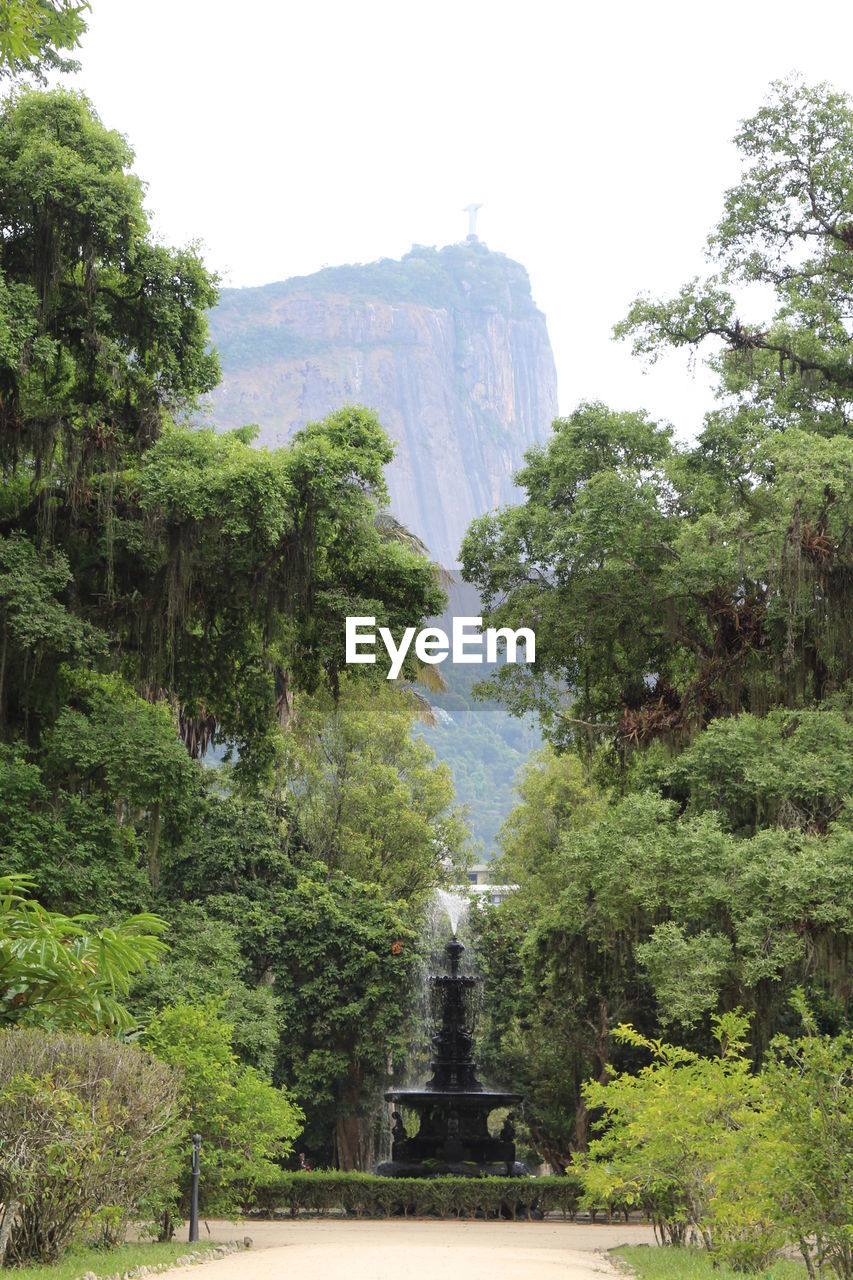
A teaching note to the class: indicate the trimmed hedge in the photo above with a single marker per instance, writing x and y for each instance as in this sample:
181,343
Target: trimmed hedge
367,1196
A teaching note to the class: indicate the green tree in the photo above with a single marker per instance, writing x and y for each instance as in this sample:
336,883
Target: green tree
556,795
538,1026
787,226
212,573
246,1123
717,878
691,605
670,585
346,961
808,1083
109,791
159,585
367,798
236,868
210,959
745,1162
666,589
90,1130
575,563
670,1131
106,330
309,976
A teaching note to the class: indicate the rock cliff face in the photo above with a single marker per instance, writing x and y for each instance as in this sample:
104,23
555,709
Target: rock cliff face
446,345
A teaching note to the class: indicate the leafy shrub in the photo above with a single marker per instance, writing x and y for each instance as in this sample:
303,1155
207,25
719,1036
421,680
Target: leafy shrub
90,1131
803,1164
245,1122
670,1130
744,1163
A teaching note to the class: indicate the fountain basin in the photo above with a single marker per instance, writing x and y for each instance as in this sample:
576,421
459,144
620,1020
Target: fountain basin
453,1135
484,1099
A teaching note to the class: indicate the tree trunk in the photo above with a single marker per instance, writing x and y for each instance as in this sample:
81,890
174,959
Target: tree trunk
581,1137
601,1050
346,1141
347,1126
8,1213
154,847
2,708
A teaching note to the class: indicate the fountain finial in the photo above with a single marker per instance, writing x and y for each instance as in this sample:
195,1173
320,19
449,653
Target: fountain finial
454,949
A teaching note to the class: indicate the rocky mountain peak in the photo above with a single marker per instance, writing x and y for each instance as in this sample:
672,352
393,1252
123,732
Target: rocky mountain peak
446,345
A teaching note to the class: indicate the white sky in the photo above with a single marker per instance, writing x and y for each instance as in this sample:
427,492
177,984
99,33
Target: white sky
290,136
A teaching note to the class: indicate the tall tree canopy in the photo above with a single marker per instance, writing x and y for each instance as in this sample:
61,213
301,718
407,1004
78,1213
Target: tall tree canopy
165,589
366,796
715,880
669,585
788,226
692,607
207,572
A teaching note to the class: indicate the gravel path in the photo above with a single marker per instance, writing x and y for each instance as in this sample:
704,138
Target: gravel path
400,1250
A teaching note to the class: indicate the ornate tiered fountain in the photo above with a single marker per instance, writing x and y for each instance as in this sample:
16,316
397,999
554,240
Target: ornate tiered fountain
453,1107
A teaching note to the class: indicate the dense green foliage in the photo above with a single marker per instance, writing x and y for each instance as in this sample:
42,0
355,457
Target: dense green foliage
668,585
685,848
209,573
165,589
671,584
682,848
744,1163
343,968
32,33
57,971
373,805
809,1083
368,1196
246,1124
713,878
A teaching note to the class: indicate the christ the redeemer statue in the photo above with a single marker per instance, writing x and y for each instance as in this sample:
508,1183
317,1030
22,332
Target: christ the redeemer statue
471,210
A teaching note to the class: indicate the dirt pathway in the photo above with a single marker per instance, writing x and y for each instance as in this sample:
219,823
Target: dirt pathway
399,1250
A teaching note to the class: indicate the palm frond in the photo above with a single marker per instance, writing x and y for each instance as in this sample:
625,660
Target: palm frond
428,675
393,530
421,706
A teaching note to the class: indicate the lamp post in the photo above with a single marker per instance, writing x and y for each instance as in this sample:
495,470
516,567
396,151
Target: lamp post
194,1200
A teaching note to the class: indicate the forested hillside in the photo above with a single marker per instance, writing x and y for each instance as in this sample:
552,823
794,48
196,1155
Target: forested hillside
483,744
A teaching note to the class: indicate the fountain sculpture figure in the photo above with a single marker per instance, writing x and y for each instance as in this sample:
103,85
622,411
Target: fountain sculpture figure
453,1106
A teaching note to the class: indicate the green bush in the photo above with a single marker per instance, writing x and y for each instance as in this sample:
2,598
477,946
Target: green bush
367,1196
743,1162
798,1171
90,1128
245,1122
